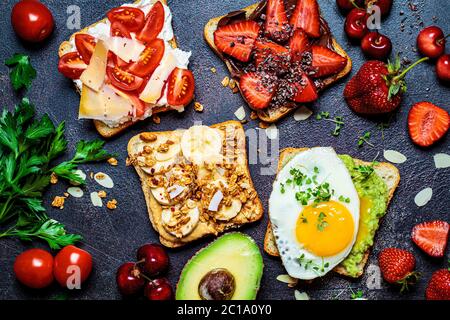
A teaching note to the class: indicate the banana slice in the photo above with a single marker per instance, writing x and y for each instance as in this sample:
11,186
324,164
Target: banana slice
228,213
173,152
201,144
161,195
184,229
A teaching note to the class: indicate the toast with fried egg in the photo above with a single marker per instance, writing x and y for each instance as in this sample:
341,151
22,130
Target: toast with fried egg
196,182
386,171
105,130
274,112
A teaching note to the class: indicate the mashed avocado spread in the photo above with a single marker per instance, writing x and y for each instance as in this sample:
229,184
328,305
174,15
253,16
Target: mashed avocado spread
373,194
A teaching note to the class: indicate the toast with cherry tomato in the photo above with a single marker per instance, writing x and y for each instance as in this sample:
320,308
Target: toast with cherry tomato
127,67
281,53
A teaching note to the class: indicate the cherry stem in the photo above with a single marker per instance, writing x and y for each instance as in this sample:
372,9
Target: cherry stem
402,75
439,41
354,4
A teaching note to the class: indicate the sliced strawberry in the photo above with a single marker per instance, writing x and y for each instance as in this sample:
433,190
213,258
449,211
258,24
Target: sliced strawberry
306,90
237,39
431,237
277,25
326,62
267,50
427,123
255,92
298,44
306,16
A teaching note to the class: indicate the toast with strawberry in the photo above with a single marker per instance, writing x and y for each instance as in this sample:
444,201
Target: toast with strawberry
281,53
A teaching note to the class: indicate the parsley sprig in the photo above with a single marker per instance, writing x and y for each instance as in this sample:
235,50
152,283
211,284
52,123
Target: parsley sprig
22,72
28,148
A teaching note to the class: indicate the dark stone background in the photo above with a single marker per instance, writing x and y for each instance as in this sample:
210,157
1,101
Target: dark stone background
112,237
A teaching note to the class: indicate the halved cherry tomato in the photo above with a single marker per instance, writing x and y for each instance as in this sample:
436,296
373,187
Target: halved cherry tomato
72,261
119,30
138,104
71,65
115,60
85,44
131,18
181,87
122,79
154,23
149,59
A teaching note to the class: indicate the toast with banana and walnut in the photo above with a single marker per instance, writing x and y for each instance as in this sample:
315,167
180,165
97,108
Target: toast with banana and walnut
196,181
281,53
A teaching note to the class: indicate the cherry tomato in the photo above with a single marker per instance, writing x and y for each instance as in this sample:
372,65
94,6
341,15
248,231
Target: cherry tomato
154,23
31,20
72,256
115,60
34,268
139,105
119,30
85,44
149,59
122,79
131,18
71,65
181,87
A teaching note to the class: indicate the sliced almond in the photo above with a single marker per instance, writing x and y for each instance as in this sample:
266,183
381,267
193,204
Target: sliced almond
423,197
285,278
75,192
394,156
104,180
301,295
96,200
442,160
272,132
302,114
240,113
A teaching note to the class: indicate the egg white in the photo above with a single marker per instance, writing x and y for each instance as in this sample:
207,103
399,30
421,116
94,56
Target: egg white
284,209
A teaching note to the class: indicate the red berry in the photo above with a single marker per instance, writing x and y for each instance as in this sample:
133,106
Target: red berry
129,279
277,24
439,286
256,91
431,237
306,16
427,123
158,289
443,68
384,5
397,266
356,24
153,259
431,42
376,46
347,5
326,61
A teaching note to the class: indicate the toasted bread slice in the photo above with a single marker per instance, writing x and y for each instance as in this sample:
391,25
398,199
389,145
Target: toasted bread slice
273,114
386,171
252,210
103,129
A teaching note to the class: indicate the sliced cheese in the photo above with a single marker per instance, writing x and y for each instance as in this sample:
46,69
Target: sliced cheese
126,49
103,105
94,75
153,90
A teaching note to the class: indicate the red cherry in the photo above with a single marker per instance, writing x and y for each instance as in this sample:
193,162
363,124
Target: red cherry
356,24
431,42
376,46
129,280
158,289
154,259
443,68
385,6
347,5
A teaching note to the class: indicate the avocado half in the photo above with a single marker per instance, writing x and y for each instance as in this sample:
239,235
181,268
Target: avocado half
237,254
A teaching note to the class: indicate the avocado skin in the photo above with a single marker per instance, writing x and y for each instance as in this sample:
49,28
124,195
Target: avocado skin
236,252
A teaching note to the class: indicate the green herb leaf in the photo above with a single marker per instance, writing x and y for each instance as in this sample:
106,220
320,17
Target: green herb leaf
22,72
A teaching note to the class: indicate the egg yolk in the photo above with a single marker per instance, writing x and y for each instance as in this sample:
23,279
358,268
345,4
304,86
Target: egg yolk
325,229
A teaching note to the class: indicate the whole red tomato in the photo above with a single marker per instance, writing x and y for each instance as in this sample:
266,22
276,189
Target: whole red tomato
34,268
32,21
72,261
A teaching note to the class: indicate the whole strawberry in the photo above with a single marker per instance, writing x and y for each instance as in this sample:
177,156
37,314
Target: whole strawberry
377,87
439,286
397,266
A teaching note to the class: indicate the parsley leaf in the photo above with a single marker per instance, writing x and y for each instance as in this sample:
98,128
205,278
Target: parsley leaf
22,72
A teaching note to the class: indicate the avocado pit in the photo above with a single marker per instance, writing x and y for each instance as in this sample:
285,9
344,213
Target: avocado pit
217,284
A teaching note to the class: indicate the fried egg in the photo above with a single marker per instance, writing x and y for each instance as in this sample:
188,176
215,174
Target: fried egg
314,212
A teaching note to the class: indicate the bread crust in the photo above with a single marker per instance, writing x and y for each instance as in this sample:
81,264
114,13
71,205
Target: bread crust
268,115
154,207
104,130
270,246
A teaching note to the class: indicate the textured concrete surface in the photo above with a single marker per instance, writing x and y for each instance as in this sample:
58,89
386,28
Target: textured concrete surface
113,236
